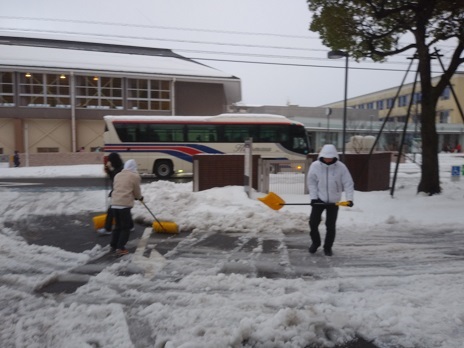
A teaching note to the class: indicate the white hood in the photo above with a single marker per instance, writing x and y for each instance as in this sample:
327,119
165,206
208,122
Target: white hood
328,151
131,165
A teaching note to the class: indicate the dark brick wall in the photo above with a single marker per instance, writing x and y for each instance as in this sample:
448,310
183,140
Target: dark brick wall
197,99
222,170
369,174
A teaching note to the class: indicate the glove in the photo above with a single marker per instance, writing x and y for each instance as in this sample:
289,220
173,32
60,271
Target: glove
350,203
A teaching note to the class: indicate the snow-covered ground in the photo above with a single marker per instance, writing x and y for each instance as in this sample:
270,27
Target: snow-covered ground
396,277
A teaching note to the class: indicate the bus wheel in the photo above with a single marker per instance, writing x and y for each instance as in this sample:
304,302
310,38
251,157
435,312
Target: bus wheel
163,169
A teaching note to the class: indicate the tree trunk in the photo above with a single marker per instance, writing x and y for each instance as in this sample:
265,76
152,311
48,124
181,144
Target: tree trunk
430,178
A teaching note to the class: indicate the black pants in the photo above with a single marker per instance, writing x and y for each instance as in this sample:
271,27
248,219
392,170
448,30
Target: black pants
330,222
109,220
121,231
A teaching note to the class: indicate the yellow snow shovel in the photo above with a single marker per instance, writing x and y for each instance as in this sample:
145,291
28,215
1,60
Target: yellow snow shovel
275,202
165,227
99,221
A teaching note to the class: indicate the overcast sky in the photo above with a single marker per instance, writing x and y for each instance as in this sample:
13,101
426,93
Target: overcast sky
293,65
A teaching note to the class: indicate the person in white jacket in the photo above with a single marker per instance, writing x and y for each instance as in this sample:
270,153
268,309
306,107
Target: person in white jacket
327,179
126,189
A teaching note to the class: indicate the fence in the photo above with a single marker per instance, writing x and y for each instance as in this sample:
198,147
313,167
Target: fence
283,176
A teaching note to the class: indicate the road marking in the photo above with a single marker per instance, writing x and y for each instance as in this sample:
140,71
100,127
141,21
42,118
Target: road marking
152,263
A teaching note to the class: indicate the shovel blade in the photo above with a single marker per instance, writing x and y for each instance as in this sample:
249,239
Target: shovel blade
99,221
165,227
273,201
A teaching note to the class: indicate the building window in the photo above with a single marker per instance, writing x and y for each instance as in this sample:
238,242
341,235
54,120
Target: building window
446,93
58,92
98,92
32,90
6,89
390,103
402,100
44,90
370,105
417,98
444,116
148,94
379,104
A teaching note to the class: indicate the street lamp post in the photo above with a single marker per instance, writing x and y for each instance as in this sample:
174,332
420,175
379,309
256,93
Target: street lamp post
337,55
328,112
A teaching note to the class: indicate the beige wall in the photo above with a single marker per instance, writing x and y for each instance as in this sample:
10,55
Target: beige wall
458,86
59,159
48,133
89,134
51,133
7,136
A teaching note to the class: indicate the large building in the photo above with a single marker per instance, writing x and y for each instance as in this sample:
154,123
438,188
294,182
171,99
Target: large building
54,93
395,102
398,99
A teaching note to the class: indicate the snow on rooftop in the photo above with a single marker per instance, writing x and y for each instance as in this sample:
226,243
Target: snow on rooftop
55,58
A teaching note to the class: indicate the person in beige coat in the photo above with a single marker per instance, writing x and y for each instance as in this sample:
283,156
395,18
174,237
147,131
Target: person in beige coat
126,189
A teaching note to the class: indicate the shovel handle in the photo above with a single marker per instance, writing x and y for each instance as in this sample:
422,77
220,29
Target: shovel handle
154,217
341,203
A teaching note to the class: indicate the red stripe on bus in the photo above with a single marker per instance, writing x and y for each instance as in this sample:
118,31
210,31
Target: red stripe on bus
185,149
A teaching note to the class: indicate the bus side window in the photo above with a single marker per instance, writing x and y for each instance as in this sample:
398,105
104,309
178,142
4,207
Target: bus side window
139,136
211,138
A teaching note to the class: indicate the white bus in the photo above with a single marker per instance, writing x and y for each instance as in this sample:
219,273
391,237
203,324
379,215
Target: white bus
165,145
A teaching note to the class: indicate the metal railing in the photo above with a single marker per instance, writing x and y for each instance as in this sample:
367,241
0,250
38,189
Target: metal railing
283,176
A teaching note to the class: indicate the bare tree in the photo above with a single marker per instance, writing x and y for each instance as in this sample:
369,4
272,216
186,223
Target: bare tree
373,28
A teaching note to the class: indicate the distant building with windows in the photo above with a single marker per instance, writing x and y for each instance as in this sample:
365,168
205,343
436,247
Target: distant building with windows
54,93
450,125
382,101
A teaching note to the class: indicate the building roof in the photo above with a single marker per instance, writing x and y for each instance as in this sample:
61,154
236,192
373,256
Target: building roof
22,52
